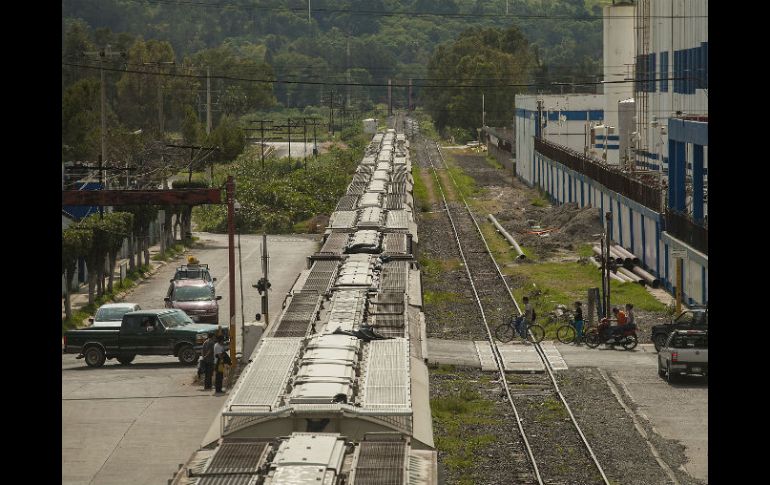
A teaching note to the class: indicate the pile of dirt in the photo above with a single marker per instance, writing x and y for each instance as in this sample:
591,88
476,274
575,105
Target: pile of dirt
548,230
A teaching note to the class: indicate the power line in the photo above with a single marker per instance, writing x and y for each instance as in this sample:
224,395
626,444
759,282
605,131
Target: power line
381,13
327,83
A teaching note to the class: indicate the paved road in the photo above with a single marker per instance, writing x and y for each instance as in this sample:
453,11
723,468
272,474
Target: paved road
134,425
678,411
298,149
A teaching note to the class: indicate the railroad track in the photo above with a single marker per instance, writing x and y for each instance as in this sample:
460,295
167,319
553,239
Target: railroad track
496,303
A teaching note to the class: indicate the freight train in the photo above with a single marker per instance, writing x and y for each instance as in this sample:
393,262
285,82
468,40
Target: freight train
336,391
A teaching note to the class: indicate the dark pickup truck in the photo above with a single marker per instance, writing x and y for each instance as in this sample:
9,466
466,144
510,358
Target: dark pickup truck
693,319
144,332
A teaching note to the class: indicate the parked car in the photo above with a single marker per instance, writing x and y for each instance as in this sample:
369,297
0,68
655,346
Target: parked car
692,319
111,314
194,272
196,298
685,352
143,332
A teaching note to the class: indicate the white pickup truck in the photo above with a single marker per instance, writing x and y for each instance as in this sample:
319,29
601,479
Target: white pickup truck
685,352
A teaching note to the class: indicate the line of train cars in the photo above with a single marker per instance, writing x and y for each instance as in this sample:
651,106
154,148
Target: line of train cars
336,391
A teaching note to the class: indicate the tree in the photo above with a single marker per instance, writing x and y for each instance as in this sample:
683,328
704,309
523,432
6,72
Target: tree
229,137
118,226
76,244
192,130
479,56
185,211
95,259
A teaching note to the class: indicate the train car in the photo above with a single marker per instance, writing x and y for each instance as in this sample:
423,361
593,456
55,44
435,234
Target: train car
336,391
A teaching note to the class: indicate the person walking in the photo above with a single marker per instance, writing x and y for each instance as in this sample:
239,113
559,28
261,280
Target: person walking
578,322
219,349
207,360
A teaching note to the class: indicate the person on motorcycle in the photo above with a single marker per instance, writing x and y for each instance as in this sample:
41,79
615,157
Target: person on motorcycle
622,319
631,319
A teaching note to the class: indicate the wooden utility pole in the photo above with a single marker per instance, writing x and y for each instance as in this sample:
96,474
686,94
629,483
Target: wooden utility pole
230,188
208,102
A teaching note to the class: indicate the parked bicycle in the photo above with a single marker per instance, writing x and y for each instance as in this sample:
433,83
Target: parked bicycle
533,333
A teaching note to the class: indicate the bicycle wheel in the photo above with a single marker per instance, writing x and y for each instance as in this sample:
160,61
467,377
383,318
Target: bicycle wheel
535,333
504,332
566,334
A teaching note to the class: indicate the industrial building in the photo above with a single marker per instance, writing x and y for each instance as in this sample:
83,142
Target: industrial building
640,149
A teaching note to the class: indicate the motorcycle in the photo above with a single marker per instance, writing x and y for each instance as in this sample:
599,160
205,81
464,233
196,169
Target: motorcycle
603,335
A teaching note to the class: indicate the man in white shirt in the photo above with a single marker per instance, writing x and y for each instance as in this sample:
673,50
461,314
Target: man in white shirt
219,348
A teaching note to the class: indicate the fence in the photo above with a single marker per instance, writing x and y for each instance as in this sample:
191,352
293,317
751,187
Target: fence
682,227
609,177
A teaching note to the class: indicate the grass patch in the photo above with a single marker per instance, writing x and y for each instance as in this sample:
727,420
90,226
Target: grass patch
466,184
439,297
550,410
433,267
585,251
492,161
454,417
551,284
420,190
539,201
170,253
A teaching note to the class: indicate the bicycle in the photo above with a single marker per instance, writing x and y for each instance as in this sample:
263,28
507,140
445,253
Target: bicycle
506,331
567,332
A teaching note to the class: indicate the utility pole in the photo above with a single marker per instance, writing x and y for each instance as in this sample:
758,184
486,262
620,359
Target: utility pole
483,112
331,112
308,11
409,100
208,102
262,136
608,237
347,102
390,101
304,141
263,285
230,186
103,55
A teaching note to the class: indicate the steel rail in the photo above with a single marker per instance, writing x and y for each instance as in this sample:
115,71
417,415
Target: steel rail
538,348
496,353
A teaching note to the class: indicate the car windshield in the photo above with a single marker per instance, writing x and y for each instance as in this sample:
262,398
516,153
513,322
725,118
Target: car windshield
192,274
113,314
690,342
193,293
175,319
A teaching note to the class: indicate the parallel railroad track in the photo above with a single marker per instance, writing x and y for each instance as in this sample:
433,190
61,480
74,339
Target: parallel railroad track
496,303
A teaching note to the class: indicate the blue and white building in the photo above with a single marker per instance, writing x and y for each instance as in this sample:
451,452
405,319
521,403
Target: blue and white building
584,139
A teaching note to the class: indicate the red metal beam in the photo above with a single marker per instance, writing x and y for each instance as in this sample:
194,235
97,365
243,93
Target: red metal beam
135,197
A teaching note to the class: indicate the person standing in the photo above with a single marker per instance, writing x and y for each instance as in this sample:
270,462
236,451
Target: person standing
578,322
207,360
219,349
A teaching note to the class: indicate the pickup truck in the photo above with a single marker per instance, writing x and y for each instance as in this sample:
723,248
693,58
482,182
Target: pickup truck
144,332
693,319
685,352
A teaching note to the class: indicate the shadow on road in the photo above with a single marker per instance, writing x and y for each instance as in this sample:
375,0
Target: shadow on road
143,365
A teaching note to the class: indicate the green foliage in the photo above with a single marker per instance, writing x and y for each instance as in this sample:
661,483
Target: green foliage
455,418
192,129
76,243
478,53
282,194
420,191
229,137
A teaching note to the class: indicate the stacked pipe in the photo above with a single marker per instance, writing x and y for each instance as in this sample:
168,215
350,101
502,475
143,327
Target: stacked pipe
629,271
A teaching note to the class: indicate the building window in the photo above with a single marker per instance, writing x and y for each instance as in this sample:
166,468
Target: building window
664,72
651,72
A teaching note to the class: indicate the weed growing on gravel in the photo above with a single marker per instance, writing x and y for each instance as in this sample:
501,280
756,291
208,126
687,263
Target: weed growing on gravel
465,183
492,161
454,417
585,251
439,297
420,191
551,410
540,202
